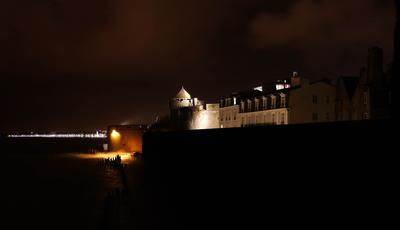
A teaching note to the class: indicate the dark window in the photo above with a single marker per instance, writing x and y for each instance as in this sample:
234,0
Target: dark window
365,98
314,99
315,116
327,99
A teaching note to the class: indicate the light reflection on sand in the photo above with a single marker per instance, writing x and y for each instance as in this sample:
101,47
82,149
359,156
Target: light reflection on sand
125,157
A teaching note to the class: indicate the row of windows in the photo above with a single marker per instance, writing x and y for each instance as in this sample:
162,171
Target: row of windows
263,119
263,105
228,102
315,99
228,117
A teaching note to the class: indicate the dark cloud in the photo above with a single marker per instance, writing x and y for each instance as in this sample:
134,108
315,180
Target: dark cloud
333,31
134,54
107,37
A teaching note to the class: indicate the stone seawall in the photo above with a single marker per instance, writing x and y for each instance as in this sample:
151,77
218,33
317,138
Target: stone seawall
291,176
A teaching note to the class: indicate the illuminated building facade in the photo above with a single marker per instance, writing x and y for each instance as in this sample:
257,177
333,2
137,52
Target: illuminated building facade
125,138
190,113
290,101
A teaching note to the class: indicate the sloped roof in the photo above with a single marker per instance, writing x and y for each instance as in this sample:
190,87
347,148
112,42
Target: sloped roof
350,84
183,94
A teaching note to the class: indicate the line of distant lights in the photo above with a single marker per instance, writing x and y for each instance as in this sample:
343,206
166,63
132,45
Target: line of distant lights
61,135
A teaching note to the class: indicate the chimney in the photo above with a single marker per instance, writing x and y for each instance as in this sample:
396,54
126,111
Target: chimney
295,79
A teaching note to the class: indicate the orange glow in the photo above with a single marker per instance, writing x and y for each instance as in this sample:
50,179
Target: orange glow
104,155
115,135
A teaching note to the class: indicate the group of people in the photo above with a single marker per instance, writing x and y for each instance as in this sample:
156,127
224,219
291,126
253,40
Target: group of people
113,162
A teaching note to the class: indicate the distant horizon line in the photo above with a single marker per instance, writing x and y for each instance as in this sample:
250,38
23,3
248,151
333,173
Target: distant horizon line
97,134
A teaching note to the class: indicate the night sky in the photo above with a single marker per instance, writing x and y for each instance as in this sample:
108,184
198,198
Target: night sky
70,65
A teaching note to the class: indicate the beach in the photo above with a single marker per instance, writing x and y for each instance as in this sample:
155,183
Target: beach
61,188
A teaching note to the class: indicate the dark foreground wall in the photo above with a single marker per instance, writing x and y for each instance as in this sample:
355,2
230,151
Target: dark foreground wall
299,176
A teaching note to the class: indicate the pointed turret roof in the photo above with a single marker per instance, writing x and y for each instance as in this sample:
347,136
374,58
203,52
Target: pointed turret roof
183,94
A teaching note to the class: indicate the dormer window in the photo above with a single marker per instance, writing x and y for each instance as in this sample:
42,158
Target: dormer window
256,104
242,106
248,105
273,102
283,100
264,101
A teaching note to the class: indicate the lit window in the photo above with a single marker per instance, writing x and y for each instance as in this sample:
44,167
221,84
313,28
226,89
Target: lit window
280,87
234,100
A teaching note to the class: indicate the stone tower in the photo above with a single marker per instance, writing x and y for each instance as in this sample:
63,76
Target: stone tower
181,100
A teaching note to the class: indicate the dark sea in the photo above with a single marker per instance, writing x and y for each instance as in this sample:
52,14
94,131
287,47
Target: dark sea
53,183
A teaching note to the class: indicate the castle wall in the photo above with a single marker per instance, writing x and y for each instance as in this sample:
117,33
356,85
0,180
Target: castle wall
206,119
233,172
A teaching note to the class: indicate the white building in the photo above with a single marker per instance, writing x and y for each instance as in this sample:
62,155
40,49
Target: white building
290,101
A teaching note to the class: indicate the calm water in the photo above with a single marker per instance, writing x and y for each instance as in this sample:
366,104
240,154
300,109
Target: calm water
53,183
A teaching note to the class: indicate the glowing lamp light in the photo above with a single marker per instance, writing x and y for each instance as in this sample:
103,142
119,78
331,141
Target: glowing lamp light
115,134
